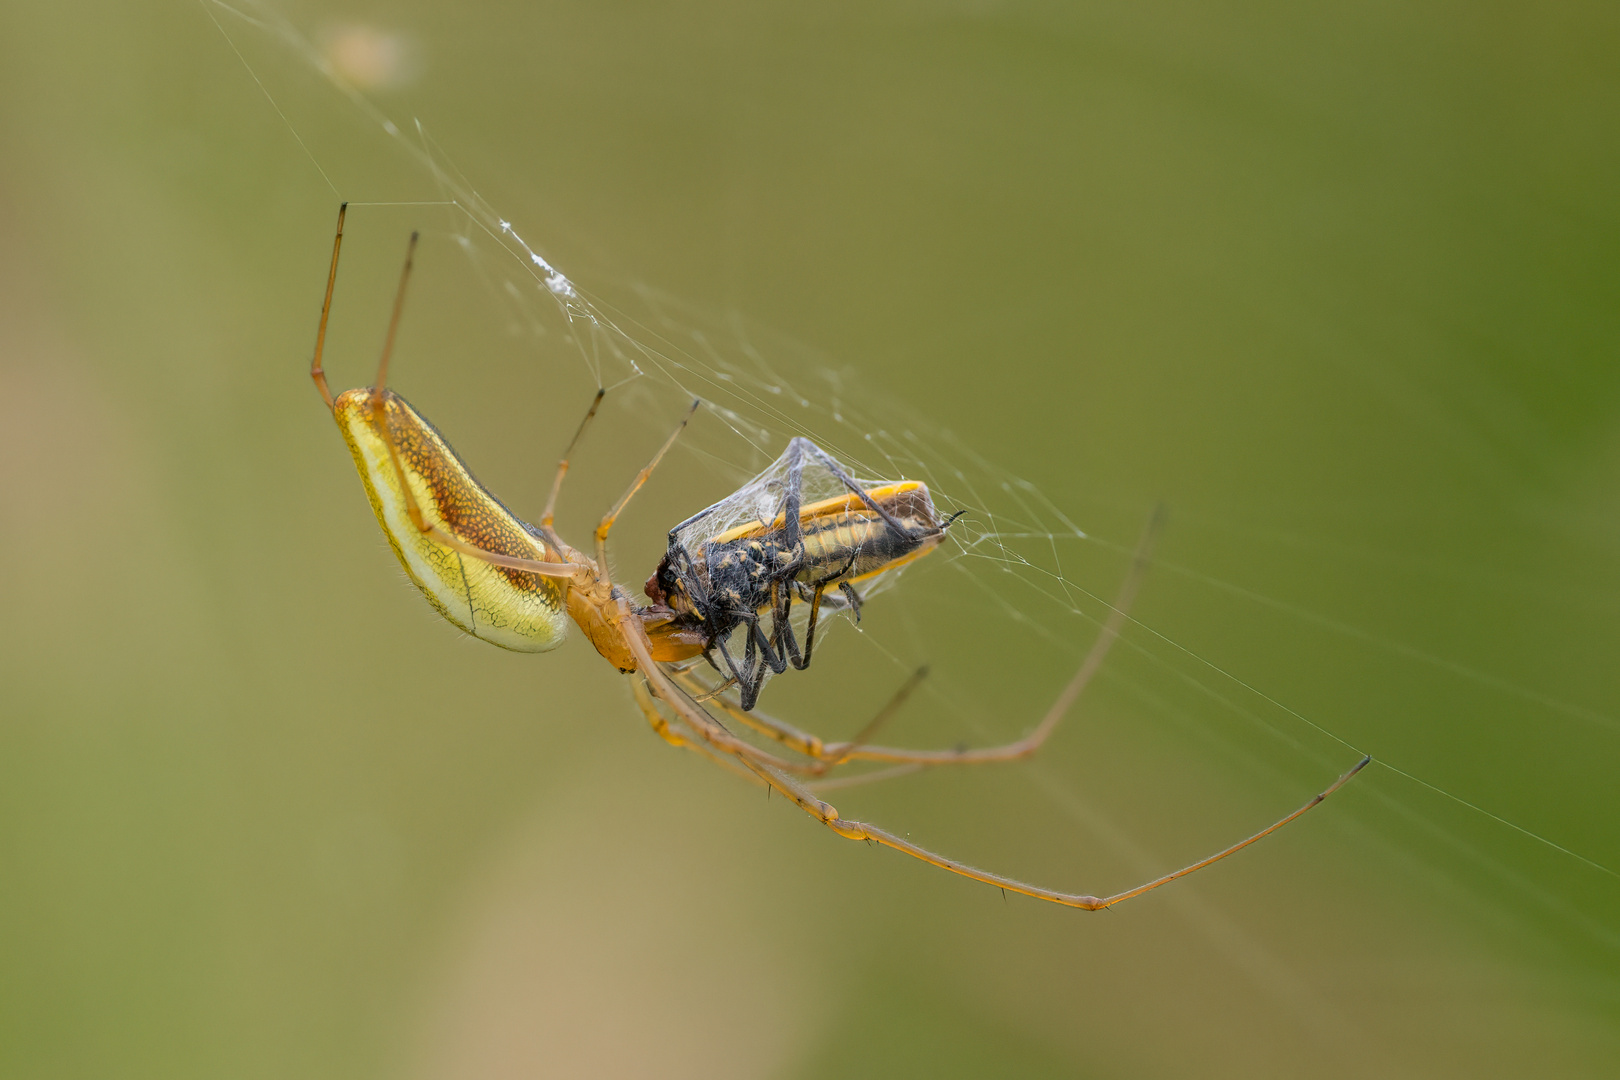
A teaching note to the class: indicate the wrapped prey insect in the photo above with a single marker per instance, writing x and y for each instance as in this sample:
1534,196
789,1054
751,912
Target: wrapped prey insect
519,585
745,571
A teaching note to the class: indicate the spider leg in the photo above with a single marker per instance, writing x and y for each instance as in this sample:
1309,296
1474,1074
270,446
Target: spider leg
855,830
562,470
784,733
635,485
876,776
810,746
316,372
862,737
706,728
858,750
380,399
660,724
693,728
666,731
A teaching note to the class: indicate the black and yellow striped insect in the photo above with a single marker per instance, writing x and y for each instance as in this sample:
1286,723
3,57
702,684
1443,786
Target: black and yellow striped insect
739,575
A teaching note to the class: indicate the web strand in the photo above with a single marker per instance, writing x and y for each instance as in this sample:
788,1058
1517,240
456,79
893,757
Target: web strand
1012,532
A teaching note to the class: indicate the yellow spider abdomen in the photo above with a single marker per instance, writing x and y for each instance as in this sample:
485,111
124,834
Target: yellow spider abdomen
514,609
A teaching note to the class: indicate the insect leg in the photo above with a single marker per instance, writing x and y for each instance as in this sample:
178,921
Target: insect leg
809,630
815,608
767,655
793,497
747,684
787,645
748,690
792,543
853,597
674,534
751,652
838,471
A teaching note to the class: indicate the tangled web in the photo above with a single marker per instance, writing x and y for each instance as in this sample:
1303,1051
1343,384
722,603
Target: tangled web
1015,568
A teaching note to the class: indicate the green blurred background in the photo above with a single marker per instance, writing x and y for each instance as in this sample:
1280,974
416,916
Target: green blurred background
1336,283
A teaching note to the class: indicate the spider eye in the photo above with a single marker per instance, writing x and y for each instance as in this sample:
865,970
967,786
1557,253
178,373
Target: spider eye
666,577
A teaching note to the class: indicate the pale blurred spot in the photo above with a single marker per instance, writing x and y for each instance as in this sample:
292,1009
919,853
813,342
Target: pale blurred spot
369,57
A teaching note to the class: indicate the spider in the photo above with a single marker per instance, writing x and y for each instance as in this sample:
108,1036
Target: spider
518,585
747,570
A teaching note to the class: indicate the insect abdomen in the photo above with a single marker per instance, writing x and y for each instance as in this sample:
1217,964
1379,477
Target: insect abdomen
851,545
